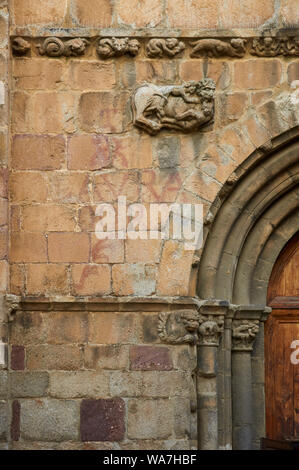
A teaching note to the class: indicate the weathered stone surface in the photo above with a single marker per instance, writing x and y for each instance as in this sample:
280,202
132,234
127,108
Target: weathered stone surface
102,420
157,414
15,420
29,384
3,420
81,384
50,420
3,384
17,359
112,356
150,358
54,357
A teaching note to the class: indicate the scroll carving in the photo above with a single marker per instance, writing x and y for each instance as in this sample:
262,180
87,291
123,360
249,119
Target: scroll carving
55,47
184,108
20,46
244,333
115,47
179,327
169,47
218,48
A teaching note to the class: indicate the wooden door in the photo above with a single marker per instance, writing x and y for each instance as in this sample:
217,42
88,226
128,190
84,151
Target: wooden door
281,349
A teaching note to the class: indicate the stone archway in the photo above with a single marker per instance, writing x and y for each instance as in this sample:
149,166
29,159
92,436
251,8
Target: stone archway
253,217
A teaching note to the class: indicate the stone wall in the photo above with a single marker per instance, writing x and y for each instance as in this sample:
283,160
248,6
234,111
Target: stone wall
73,146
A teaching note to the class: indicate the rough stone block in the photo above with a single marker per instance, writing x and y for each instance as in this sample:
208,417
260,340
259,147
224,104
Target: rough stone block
102,420
157,414
150,358
29,384
94,13
68,247
3,384
17,358
257,73
88,152
112,356
134,279
54,357
50,420
3,420
38,152
79,384
91,279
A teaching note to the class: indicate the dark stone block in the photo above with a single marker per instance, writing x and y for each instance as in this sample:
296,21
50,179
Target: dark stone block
17,361
102,420
15,420
150,358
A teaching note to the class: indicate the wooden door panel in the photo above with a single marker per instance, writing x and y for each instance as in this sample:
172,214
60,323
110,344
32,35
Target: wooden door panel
280,379
281,329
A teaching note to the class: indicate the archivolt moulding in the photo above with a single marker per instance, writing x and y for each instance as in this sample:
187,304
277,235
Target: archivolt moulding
252,221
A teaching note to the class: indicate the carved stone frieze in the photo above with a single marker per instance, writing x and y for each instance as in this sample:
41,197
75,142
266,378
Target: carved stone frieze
20,46
56,47
244,333
115,47
218,48
210,329
179,327
271,47
168,47
184,107
107,47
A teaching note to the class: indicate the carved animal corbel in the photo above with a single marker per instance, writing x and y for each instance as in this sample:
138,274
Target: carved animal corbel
169,47
178,327
115,47
20,46
218,48
55,47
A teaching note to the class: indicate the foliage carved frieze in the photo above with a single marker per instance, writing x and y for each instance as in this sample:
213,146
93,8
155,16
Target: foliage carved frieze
116,47
185,107
56,47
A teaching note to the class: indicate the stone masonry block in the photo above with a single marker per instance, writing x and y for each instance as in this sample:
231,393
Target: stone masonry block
50,420
102,420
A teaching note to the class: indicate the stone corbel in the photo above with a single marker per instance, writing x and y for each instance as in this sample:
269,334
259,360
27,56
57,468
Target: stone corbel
56,47
179,327
11,306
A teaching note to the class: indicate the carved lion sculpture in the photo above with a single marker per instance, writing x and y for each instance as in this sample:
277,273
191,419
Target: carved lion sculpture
185,108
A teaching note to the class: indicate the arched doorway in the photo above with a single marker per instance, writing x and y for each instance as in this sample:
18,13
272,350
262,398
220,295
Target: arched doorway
253,217
281,334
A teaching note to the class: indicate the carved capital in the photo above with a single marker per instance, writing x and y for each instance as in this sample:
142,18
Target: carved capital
116,47
185,107
179,327
56,47
243,334
210,329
